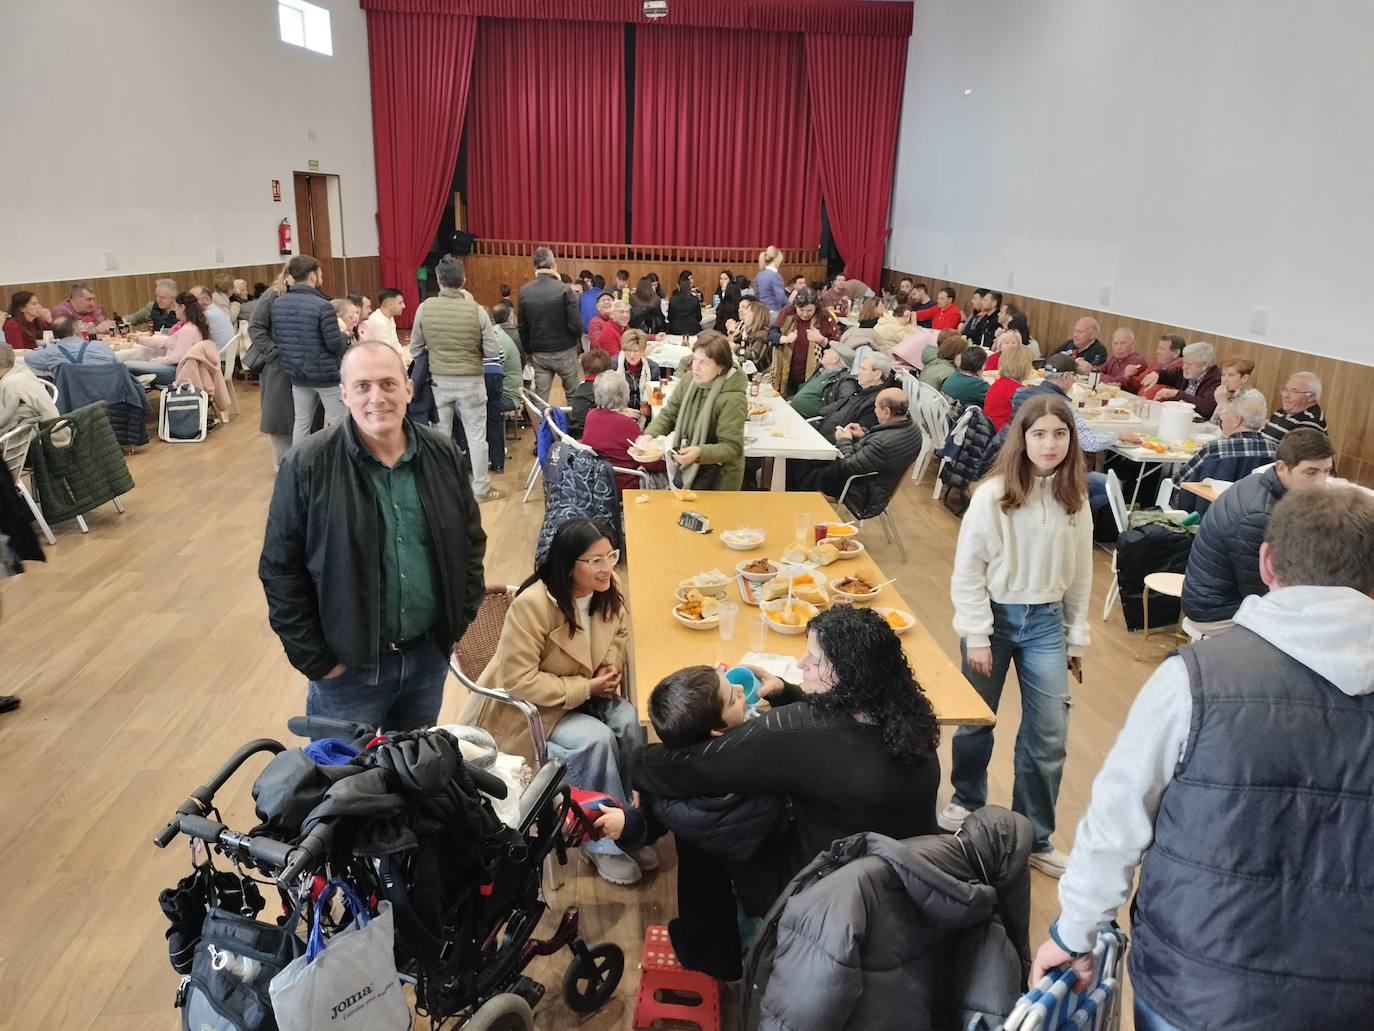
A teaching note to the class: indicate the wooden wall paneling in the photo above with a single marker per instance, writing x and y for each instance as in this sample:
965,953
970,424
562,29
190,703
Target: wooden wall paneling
1347,387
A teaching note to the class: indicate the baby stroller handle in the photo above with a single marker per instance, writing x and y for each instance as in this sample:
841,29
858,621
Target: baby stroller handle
308,854
203,797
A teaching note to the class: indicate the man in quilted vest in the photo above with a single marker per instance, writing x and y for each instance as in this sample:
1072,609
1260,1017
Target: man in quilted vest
1240,787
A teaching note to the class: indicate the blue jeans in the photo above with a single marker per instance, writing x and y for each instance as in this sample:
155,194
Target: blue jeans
1033,637
1147,1019
598,740
1097,491
163,373
404,692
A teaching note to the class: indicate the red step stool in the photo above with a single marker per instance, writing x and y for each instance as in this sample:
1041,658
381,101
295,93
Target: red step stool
661,971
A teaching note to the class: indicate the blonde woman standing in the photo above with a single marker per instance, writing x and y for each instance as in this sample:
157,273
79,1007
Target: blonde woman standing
768,283
1021,586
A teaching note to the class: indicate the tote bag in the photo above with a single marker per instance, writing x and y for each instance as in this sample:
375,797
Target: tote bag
349,981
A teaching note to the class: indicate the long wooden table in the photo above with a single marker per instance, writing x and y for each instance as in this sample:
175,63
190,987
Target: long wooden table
661,554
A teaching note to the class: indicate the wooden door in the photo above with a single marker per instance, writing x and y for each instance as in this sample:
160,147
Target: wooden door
312,218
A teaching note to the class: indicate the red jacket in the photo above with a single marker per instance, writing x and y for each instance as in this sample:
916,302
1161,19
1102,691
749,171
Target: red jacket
997,404
609,338
940,318
610,434
23,335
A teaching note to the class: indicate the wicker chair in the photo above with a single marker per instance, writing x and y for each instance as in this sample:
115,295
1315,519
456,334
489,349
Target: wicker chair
474,652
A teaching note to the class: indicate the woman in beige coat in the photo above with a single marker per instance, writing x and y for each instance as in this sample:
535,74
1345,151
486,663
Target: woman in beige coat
564,647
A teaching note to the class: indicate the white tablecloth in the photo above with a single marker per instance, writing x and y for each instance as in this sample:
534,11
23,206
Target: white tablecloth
669,352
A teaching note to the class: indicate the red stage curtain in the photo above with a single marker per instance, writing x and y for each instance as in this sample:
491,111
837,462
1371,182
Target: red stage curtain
419,67
859,78
846,17
724,155
546,147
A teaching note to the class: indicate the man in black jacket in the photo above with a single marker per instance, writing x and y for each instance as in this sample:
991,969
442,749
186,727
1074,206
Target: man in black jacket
550,323
307,333
887,450
372,560
1224,564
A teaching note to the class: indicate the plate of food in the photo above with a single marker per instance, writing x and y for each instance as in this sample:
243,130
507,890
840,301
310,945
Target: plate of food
758,570
833,530
898,619
855,588
806,585
710,578
758,411
789,617
719,593
847,547
697,611
743,539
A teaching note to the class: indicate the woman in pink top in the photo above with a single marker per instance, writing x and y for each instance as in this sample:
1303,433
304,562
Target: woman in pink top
189,330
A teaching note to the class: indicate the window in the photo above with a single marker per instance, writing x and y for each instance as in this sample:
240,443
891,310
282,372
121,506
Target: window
304,24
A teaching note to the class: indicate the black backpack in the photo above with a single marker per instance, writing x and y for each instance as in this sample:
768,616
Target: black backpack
234,963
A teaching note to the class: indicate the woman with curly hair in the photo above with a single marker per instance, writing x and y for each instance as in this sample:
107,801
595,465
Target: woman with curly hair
852,747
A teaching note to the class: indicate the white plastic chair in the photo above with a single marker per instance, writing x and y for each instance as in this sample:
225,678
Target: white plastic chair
51,388
228,358
1117,500
14,450
1165,497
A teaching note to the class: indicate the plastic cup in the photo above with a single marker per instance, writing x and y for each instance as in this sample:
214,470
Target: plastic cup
803,526
728,612
745,679
758,633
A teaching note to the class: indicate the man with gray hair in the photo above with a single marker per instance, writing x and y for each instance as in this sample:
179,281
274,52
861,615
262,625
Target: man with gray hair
221,329
160,311
456,332
550,323
1241,450
1083,347
1298,406
81,305
1201,377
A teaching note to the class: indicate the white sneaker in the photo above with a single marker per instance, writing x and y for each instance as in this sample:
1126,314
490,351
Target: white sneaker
1051,862
616,867
645,858
952,817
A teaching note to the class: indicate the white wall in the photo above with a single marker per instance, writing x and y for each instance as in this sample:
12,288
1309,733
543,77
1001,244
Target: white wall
1201,159
154,128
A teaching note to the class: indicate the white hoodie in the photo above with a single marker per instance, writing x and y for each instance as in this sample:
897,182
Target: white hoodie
1328,629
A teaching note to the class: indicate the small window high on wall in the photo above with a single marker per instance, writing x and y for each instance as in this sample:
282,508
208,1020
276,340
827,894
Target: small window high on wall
306,25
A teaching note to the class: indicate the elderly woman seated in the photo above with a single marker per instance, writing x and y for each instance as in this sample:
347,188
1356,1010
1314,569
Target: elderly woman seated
612,426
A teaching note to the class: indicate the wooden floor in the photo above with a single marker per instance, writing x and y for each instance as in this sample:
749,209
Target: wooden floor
143,656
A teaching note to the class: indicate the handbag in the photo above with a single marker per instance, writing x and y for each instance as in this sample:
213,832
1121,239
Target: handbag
235,962
185,414
350,980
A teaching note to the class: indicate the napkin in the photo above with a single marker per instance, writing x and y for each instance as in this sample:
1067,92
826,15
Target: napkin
779,665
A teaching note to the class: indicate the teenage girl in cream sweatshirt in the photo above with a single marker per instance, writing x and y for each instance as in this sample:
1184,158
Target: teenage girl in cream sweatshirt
1021,584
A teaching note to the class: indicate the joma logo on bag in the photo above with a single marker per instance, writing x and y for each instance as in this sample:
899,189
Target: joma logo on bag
352,1000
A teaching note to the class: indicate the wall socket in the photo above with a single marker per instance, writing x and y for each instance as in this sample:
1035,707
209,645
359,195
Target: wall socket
111,261
1259,321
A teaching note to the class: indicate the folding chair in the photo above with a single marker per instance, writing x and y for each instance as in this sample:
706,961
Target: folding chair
534,408
566,438
882,515
1117,500
14,450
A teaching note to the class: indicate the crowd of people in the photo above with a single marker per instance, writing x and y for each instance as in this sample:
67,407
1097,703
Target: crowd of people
373,567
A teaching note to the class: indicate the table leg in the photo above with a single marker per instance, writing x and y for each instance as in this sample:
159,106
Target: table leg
779,483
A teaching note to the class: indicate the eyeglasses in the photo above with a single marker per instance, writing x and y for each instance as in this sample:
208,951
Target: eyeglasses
1289,390
601,563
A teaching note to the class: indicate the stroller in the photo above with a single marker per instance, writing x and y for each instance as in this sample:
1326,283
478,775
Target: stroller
1053,1005
405,820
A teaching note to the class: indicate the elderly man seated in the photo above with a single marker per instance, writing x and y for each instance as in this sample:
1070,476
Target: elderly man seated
1241,450
1201,377
24,401
1125,360
887,449
1297,406
221,329
875,373
70,348
1084,347
829,383
161,310
81,305
611,427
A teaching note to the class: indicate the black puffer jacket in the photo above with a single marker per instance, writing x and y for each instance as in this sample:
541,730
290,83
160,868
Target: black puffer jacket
966,460
548,317
684,313
307,333
889,449
885,935
321,564
857,407
1223,567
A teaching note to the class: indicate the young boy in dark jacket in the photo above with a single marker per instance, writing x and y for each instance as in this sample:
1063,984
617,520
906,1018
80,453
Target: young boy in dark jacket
717,836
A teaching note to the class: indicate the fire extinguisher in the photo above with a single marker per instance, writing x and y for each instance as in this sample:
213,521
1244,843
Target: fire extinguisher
284,236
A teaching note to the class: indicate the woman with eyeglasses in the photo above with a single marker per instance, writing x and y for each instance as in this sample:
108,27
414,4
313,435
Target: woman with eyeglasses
564,647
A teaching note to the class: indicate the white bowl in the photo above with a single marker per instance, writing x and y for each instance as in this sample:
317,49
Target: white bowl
707,592
724,583
910,619
1118,402
757,578
869,596
858,549
743,540
781,628
696,624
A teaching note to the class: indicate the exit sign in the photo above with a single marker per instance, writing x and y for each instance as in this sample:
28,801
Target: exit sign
313,166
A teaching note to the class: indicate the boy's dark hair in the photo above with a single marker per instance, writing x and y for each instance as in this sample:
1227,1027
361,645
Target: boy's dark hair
500,312
973,360
598,282
685,706
1303,444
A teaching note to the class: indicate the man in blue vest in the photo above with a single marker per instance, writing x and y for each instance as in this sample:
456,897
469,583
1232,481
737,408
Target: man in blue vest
1241,786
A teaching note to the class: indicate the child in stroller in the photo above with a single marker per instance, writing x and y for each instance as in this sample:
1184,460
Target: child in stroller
406,820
